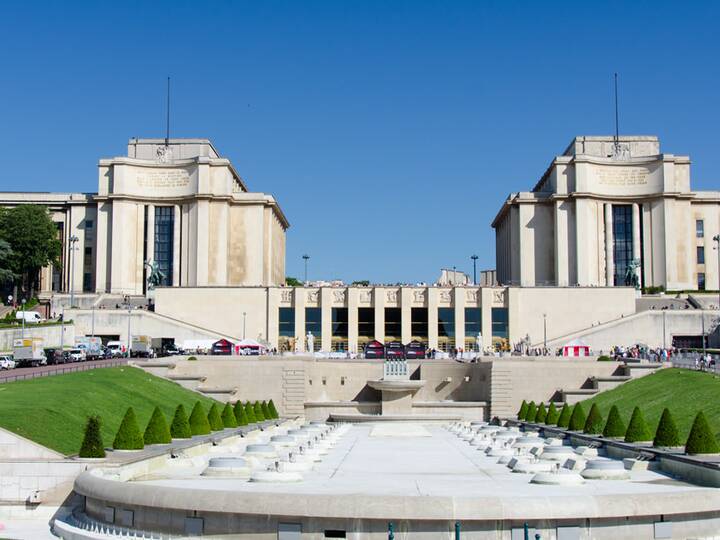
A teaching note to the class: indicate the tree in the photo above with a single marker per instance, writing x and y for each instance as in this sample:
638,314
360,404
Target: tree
128,436
6,274
577,418
180,427
638,430
564,419
531,412
33,240
362,283
541,414
259,416
273,409
293,282
92,445
199,424
250,413
552,416
594,423
157,430
701,439
666,434
228,417
214,419
614,427
242,418
265,410
522,413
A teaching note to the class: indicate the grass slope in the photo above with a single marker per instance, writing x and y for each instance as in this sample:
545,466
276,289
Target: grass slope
682,391
53,410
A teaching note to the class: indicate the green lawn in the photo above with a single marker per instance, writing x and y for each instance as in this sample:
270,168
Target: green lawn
682,391
53,410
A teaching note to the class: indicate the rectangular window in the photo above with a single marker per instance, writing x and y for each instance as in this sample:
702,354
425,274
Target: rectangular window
473,321
500,323
419,323
392,324
286,317
446,329
340,322
366,322
701,281
700,254
313,324
699,228
622,242
88,250
164,235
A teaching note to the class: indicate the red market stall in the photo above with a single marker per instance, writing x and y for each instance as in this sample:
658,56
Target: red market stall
576,347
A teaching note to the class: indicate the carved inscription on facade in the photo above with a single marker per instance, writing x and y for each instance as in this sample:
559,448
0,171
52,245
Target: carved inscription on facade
155,179
623,176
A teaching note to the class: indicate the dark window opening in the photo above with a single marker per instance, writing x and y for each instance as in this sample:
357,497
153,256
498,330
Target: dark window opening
393,326
366,322
333,533
419,323
164,235
622,242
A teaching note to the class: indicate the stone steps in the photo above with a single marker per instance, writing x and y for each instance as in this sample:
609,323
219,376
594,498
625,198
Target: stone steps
293,388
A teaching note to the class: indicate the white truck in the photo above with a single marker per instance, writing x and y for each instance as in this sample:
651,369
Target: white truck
29,352
117,348
92,346
28,316
142,346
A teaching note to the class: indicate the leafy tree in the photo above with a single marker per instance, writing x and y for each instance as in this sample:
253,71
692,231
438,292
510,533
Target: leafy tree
531,412
594,423
701,439
265,410
614,427
180,427
522,413
293,282
157,430
577,418
250,413
553,415
362,283
258,412
638,430
92,445
199,424
6,274
33,240
565,413
228,417
242,418
273,410
128,436
541,414
666,434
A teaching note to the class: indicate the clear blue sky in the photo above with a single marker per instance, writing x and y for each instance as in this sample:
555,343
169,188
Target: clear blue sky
390,132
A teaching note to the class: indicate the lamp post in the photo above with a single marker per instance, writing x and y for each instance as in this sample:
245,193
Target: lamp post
305,258
73,240
474,260
23,318
244,317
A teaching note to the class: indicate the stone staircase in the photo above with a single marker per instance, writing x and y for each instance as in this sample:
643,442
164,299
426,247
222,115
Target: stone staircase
594,385
293,381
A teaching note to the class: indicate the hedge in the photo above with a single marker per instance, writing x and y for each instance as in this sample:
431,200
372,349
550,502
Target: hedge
552,416
214,419
541,414
258,412
532,412
638,430
701,439
240,415
594,423
250,412
564,418
614,427
180,426
577,418
92,444
666,434
157,430
128,436
522,413
273,410
228,417
199,424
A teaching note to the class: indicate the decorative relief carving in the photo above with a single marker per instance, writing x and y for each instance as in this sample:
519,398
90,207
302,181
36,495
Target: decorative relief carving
312,296
419,296
164,154
444,296
392,296
286,296
472,296
365,297
499,297
339,295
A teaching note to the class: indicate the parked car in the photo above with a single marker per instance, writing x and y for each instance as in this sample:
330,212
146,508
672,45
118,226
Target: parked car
77,355
117,348
7,362
54,356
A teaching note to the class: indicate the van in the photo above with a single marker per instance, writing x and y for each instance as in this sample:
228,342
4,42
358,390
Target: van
28,316
116,348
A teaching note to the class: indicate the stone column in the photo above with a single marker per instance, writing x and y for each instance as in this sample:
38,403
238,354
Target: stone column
432,302
636,238
353,297
299,305
202,236
561,246
176,245
459,297
486,299
609,257
150,233
379,305
405,314
102,253
326,318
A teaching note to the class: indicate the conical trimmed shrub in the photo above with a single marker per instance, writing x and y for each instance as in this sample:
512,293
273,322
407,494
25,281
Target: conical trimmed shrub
701,439
522,413
242,419
577,418
258,412
265,410
614,427
228,417
531,413
273,410
250,412
199,424
666,434
180,426
594,423
637,430
552,416
541,414
128,436
157,430
564,418
92,444
214,419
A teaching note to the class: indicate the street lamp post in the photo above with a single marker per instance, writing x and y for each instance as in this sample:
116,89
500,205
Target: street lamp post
73,240
305,258
474,260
